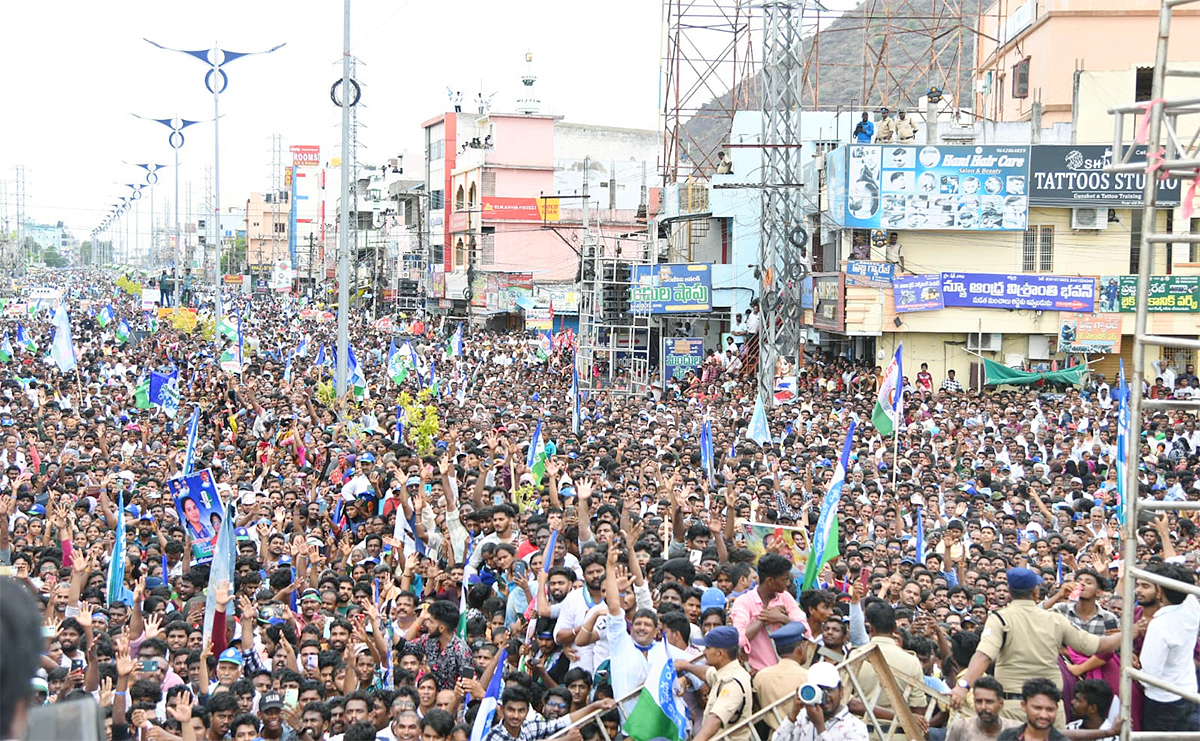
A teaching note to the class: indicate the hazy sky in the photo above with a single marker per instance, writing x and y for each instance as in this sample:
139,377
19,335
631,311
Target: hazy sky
75,71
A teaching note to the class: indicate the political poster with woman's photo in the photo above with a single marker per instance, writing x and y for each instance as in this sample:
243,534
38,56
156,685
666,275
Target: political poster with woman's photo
790,542
200,511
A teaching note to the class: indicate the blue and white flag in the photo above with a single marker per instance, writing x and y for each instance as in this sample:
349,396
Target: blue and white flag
221,570
919,543
105,317
189,453
321,359
116,567
491,699
62,349
456,342
758,431
576,412
24,341
825,540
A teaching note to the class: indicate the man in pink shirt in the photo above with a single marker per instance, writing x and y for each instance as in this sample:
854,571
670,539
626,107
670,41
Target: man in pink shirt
765,608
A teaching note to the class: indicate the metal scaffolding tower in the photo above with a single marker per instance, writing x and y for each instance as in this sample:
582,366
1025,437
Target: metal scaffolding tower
1171,153
708,74
277,192
784,259
613,344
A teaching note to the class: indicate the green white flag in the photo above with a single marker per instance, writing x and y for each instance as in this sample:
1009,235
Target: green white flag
6,350
887,405
537,455
141,394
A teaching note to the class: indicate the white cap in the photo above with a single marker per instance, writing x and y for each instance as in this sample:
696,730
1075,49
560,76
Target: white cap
824,674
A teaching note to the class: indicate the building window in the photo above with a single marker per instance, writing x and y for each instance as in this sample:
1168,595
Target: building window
472,196
1037,250
488,183
487,246
1194,248
437,150
1142,83
1178,358
280,228
1020,87
1135,239
460,254
436,199
460,199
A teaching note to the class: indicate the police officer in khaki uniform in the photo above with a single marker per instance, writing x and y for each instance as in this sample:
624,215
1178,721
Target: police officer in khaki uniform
729,698
880,618
1024,642
784,678
886,128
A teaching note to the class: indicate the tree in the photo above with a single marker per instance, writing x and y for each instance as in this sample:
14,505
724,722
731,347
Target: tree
85,252
232,261
52,259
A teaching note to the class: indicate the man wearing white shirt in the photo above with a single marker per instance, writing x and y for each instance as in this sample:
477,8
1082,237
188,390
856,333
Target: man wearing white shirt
1167,655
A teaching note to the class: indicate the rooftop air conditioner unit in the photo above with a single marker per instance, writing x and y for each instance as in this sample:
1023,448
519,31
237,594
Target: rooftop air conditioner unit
985,341
1089,218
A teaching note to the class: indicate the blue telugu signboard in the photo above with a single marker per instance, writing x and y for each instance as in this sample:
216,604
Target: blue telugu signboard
672,288
917,293
680,355
1034,292
866,272
960,188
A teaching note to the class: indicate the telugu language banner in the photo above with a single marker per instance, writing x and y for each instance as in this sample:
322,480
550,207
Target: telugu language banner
680,355
1032,292
1090,334
672,288
917,293
1168,293
869,273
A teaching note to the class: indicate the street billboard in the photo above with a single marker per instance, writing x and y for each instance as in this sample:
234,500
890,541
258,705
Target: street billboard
519,209
1032,292
672,288
680,355
1168,293
1067,175
956,188
917,293
1090,334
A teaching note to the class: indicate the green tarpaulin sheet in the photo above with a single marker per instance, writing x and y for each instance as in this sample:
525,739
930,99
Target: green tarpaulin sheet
996,374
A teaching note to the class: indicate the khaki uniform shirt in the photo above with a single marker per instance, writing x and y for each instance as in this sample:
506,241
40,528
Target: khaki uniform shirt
774,682
729,698
1034,638
907,671
905,129
885,130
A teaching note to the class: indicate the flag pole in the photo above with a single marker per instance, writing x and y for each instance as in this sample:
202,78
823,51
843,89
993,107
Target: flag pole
895,450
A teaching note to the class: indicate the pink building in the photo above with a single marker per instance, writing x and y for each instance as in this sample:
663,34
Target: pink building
1030,50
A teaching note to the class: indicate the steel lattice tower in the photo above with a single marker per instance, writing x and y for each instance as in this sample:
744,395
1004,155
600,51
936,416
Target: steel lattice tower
783,253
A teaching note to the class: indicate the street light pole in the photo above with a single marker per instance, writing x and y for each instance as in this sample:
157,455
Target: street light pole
216,81
341,373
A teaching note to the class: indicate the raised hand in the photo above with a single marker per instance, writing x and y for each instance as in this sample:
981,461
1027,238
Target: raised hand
182,712
153,627
223,593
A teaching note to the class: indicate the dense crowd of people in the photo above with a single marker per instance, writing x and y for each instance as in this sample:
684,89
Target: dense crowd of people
456,550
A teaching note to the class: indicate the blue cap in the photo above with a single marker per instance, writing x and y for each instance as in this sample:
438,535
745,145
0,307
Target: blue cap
1023,580
712,597
153,582
722,636
242,533
789,635
231,655
366,458
284,559
37,509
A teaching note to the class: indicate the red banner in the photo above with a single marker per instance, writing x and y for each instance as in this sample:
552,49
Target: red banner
305,154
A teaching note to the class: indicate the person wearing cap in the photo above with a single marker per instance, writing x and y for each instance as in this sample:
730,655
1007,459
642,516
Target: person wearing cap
826,720
783,679
729,686
270,708
886,128
880,620
1024,642
229,670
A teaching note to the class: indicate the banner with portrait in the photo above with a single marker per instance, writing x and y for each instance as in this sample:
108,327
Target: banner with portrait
200,511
